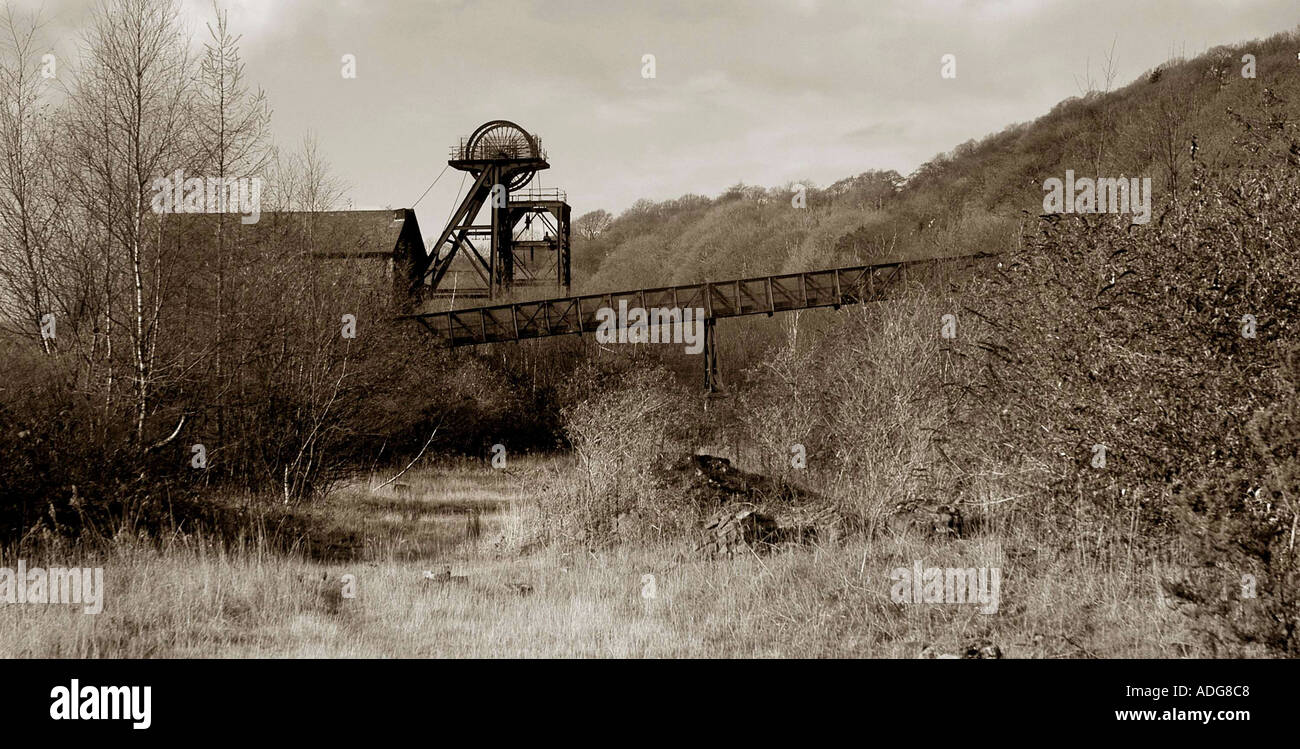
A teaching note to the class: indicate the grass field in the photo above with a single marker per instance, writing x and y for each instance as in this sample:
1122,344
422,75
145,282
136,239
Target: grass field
192,598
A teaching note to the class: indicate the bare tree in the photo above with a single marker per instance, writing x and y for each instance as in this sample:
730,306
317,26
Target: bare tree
28,202
303,181
232,123
1107,125
132,99
592,225
1097,133
1165,133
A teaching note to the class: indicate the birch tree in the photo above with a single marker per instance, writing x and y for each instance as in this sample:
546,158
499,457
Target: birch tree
131,101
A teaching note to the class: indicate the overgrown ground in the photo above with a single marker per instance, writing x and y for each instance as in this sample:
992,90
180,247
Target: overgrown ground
191,598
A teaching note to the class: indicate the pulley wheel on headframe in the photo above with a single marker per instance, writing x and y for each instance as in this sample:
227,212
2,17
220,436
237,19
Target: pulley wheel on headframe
502,139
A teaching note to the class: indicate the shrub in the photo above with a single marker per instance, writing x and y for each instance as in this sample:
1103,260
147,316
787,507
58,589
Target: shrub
623,436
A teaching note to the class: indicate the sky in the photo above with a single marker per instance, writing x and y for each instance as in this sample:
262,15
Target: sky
757,91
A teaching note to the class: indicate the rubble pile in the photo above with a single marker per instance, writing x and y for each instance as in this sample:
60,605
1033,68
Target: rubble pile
749,511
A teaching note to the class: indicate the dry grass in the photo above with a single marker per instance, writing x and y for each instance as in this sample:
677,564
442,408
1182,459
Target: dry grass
192,599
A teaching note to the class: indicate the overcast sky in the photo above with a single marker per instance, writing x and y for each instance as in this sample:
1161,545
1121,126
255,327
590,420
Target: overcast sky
759,91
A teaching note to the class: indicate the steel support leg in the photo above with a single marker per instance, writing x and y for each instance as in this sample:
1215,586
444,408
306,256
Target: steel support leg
712,373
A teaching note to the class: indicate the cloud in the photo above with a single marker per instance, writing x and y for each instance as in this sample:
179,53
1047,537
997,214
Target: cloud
765,91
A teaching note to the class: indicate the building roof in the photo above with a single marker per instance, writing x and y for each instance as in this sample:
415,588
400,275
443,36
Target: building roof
386,233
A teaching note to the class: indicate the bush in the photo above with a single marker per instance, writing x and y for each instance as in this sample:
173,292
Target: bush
623,436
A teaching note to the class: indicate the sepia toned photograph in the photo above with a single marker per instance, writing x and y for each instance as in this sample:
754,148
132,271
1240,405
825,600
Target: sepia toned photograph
567,329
